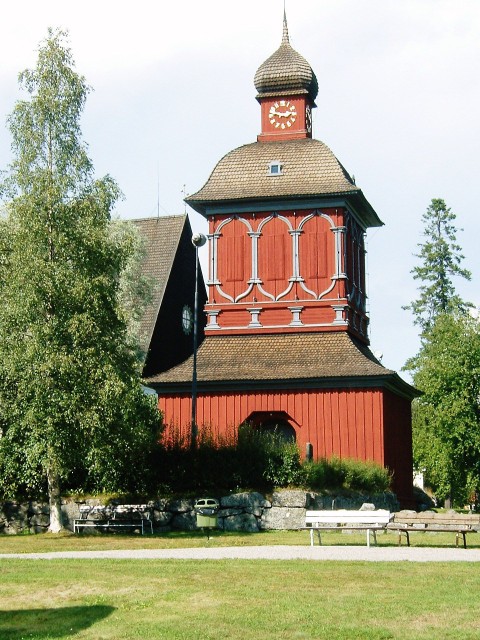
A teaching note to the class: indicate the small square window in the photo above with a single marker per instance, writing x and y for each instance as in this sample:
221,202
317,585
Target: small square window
275,168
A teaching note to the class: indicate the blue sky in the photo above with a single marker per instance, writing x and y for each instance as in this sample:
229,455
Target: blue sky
398,104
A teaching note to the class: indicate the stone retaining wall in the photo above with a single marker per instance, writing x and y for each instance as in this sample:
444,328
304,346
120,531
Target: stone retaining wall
251,512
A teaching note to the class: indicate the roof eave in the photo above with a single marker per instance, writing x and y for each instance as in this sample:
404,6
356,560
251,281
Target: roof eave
205,206
390,381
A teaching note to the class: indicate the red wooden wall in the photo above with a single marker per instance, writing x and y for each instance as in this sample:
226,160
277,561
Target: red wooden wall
366,424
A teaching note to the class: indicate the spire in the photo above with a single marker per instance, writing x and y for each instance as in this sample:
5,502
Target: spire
285,71
285,38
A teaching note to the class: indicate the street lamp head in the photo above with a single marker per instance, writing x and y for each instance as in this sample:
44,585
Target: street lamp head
198,240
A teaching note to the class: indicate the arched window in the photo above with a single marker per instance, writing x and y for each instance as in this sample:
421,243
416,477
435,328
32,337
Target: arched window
273,422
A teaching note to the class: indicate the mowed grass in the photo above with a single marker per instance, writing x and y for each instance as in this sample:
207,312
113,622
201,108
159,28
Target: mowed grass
44,543
237,599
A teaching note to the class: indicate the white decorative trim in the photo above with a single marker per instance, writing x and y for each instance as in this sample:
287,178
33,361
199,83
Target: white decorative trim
265,293
214,270
291,231
255,313
287,290
307,290
222,293
340,249
314,214
295,233
254,235
272,217
319,214
327,290
296,320
340,313
212,320
246,292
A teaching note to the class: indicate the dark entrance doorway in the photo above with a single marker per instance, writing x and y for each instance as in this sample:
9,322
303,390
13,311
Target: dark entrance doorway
273,422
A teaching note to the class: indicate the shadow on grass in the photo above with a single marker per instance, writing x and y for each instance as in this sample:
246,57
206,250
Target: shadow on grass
39,624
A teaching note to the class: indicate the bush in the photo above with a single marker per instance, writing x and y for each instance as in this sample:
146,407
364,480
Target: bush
248,458
346,474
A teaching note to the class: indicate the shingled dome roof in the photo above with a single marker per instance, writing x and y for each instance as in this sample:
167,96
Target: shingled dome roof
309,169
285,71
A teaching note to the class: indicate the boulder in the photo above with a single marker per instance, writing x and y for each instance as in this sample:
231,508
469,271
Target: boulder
242,522
290,498
283,518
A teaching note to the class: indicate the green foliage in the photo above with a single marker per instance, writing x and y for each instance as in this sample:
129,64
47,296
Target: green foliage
246,458
72,412
447,416
441,259
252,459
346,474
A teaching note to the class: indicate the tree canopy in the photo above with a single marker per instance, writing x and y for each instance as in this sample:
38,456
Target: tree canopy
72,411
447,416
446,430
441,259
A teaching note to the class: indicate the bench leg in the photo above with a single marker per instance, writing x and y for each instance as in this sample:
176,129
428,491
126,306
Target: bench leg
400,531
311,537
369,533
457,537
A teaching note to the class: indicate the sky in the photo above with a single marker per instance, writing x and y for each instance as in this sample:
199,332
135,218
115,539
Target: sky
172,92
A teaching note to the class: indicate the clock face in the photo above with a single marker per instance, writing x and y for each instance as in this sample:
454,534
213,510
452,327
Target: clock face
282,114
187,319
308,118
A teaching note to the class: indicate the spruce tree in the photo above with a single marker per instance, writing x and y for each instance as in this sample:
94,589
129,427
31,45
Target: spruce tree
441,260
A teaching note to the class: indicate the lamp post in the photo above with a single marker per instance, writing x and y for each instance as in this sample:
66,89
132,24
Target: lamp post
198,240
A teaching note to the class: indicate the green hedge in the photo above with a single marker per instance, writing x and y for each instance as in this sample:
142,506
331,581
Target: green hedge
251,459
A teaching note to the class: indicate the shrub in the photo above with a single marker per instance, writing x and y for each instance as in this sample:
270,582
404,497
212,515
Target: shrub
346,474
245,458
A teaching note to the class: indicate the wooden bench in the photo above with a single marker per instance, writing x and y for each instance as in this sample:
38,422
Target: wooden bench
459,523
121,517
369,521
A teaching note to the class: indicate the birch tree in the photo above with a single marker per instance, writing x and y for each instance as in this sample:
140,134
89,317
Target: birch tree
72,411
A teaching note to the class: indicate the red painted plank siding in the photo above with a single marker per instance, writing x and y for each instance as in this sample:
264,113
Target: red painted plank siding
351,420
367,424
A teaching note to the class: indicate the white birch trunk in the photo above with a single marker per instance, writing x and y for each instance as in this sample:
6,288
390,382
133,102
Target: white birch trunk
55,503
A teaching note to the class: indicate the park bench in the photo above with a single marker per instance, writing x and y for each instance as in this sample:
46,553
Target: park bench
369,521
116,518
459,523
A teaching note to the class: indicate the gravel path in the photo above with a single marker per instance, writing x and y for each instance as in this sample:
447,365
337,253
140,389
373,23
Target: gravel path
372,554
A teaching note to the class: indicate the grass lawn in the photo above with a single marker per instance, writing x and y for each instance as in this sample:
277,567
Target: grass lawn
42,543
237,599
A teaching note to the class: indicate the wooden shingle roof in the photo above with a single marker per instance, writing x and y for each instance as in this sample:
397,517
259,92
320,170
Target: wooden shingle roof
285,72
161,236
309,170
300,357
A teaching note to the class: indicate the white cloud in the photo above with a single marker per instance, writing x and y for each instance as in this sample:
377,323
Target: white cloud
398,104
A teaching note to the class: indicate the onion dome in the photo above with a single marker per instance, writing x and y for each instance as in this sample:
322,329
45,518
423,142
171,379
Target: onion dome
285,72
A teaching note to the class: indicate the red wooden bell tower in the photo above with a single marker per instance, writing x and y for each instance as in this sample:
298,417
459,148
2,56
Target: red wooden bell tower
287,327
286,259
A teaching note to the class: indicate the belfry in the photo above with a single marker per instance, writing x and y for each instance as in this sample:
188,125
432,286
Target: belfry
286,334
